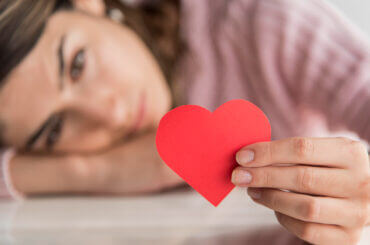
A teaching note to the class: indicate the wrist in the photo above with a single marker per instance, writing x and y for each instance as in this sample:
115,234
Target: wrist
93,173
76,174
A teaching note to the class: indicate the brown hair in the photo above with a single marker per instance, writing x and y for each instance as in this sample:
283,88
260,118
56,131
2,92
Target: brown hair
22,23
157,23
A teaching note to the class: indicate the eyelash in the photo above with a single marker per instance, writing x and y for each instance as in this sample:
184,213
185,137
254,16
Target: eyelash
55,131
77,65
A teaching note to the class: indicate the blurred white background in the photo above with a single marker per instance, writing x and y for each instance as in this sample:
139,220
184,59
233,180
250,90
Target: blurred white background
357,10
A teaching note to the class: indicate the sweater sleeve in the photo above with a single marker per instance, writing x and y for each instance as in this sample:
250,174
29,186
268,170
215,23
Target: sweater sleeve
6,186
322,59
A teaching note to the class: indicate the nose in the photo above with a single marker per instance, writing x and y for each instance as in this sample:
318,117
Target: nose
103,107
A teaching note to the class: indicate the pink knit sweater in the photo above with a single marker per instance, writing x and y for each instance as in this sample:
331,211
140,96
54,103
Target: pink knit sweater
300,61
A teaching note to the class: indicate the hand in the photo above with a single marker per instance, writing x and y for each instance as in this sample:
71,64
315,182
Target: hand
131,167
319,188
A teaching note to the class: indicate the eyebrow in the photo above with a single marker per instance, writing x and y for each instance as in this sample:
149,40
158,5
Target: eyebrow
61,61
61,66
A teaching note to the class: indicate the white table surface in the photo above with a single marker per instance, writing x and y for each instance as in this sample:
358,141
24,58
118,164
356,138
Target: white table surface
177,217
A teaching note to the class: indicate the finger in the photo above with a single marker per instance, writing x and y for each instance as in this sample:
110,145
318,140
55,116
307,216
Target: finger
302,179
322,210
331,152
318,233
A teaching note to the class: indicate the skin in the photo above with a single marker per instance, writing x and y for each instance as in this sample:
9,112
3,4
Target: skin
110,109
328,179
105,103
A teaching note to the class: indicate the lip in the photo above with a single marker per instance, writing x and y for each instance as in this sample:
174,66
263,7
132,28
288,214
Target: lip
141,111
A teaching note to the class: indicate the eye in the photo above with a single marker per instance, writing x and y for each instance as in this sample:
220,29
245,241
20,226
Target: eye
54,132
77,65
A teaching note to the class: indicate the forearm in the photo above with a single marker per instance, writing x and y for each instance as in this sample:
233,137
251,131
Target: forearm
131,167
135,167
33,175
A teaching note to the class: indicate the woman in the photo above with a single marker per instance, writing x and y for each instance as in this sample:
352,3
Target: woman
81,97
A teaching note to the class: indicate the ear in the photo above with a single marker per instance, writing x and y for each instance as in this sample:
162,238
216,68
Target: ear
96,7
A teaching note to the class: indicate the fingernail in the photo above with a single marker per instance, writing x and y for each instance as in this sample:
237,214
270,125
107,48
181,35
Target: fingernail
241,177
254,193
244,156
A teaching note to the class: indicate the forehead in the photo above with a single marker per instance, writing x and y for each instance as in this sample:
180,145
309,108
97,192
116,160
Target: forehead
30,94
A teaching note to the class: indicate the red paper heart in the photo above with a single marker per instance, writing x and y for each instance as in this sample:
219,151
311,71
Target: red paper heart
200,146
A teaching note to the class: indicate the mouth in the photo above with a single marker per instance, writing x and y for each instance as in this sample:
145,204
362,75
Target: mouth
141,111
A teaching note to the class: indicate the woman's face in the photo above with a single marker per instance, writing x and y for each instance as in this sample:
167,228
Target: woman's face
87,83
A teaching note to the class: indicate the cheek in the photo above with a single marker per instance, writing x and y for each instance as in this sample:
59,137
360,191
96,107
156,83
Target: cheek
109,68
123,58
119,72
126,66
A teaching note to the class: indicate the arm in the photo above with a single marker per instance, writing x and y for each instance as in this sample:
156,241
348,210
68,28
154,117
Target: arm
322,63
133,167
